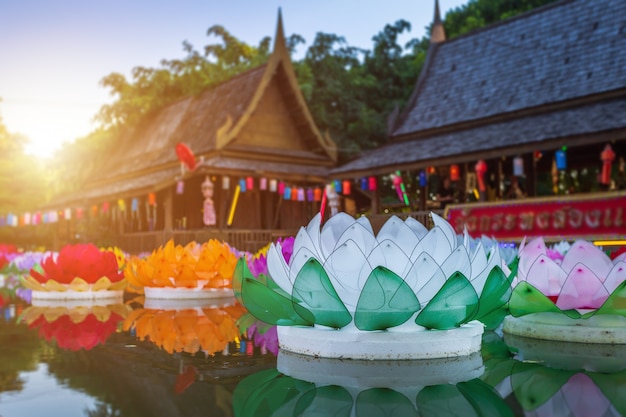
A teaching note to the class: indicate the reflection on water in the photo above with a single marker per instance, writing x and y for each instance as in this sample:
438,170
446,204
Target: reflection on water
134,372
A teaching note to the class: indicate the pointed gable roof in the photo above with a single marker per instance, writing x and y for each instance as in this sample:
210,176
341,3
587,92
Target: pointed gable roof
550,77
216,125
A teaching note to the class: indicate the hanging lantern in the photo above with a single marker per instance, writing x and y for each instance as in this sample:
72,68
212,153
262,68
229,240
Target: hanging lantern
152,199
364,184
281,188
518,166
225,182
294,194
481,170
338,186
249,183
68,213
121,204
346,187
423,179
301,194
317,194
309,194
79,212
273,185
180,187
242,185
134,204
263,183
27,219
286,192
561,159
607,156
537,155
94,210
455,173
372,184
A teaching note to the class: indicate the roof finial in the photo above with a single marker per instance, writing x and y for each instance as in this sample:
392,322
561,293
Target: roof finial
437,32
279,37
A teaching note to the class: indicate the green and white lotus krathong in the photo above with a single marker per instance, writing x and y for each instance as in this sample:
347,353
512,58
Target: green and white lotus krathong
405,293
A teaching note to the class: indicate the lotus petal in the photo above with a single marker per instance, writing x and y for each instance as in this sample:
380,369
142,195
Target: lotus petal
33,284
277,268
397,231
480,277
332,230
456,303
436,244
78,314
298,260
348,270
102,284
592,256
380,402
458,261
303,240
52,285
616,276
418,228
545,275
314,291
386,301
359,234
388,254
584,397
257,297
582,289
478,259
526,299
79,284
528,254
430,278
446,229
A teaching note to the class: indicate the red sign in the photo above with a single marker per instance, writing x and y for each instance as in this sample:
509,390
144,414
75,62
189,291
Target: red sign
585,216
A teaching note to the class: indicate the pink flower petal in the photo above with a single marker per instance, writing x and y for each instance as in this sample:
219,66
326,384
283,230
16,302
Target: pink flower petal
582,289
546,275
528,254
616,276
592,256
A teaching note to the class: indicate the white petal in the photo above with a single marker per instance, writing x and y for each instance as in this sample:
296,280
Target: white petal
360,235
430,278
391,256
479,260
365,222
480,276
332,231
313,229
418,228
348,269
434,243
298,259
446,228
458,261
277,268
396,230
304,240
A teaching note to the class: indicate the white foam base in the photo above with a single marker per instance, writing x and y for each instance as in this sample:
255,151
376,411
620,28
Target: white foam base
601,328
77,295
171,293
365,374
73,303
381,345
186,304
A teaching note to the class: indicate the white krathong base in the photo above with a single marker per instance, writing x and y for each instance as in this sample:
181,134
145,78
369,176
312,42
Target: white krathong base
172,293
601,328
382,345
77,295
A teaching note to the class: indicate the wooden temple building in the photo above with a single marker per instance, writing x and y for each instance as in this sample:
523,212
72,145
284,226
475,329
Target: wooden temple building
537,97
254,143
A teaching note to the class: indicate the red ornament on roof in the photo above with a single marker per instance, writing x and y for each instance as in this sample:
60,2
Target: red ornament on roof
185,156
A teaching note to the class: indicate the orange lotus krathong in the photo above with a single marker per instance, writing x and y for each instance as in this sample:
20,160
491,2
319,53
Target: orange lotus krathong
80,271
191,271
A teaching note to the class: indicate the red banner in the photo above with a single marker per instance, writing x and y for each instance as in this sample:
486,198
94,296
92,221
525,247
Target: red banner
585,216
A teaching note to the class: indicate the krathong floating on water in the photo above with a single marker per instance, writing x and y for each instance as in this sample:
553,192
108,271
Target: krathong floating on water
193,271
80,271
405,293
573,293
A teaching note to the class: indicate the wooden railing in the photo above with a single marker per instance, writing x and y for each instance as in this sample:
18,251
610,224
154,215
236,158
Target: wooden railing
243,240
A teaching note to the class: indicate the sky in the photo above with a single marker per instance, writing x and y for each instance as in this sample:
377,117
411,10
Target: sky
53,53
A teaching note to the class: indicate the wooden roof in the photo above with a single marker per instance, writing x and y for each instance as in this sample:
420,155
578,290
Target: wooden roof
228,125
478,92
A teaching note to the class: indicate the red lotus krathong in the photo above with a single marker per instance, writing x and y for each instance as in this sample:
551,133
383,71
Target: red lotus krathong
78,271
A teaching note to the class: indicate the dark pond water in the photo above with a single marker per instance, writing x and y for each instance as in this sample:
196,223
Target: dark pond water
57,364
